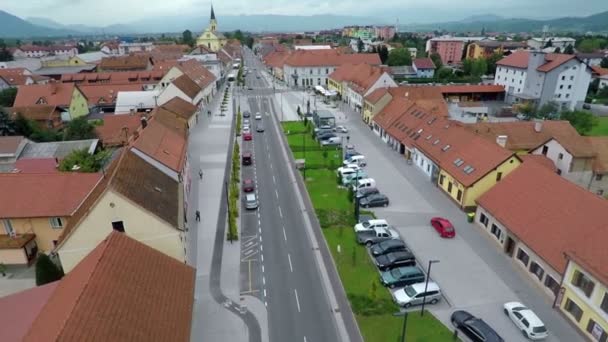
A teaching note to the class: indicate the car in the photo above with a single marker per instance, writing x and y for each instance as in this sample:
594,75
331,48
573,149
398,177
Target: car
351,153
326,136
345,172
247,136
259,128
353,167
251,201
349,179
526,320
443,226
387,247
333,141
248,185
246,114
258,116
586,106
475,328
375,200
247,158
371,237
362,193
402,276
395,259
340,129
250,88
246,130
246,122
370,225
358,159
416,293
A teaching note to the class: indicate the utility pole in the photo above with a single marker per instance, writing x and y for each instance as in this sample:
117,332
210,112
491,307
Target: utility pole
426,285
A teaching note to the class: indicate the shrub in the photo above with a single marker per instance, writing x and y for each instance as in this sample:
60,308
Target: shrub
46,270
333,217
366,306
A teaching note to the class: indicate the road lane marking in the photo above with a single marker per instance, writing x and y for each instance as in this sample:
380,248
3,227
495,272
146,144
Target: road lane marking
260,222
274,179
260,229
250,275
284,234
276,193
297,299
262,248
262,268
289,258
260,238
305,339
264,292
280,212
262,255
266,304
264,280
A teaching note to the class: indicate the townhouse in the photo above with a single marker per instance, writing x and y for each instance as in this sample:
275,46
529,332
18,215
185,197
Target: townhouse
488,48
15,77
353,82
599,178
275,62
536,77
449,48
35,51
102,97
189,80
555,232
68,97
122,291
148,78
47,116
538,43
424,67
430,98
118,130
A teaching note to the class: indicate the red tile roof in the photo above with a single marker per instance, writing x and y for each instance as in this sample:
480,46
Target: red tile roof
599,71
303,58
180,107
473,88
40,113
552,216
48,195
360,77
197,72
554,60
56,94
599,145
424,63
122,291
519,59
163,144
540,159
129,62
187,86
98,94
112,132
376,95
15,76
42,165
119,77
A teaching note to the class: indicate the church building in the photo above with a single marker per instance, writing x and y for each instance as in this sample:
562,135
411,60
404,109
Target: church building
211,38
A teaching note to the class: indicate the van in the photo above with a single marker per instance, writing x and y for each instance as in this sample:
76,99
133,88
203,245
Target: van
359,160
251,202
333,141
246,158
364,183
414,294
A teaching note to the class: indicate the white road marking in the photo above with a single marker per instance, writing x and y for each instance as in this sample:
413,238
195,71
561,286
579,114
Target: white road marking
276,193
260,229
260,222
262,248
273,179
264,292
264,280
289,258
280,212
297,299
266,303
260,238
262,255
262,268
284,234
305,339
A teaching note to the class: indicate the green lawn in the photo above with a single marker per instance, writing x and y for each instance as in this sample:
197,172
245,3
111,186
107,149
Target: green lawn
601,128
370,301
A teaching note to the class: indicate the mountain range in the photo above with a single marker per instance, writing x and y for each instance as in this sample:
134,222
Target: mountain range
14,27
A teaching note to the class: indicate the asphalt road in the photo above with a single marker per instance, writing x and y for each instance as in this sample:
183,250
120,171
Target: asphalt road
290,286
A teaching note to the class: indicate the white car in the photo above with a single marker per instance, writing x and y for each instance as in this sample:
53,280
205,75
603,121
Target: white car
341,129
371,225
526,321
258,116
414,294
346,167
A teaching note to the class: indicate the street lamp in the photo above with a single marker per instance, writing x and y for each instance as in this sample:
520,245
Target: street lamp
404,314
426,284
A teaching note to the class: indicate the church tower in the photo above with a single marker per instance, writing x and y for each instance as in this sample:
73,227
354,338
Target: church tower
212,21
211,38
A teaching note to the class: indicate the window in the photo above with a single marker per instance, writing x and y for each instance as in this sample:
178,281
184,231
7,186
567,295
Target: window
571,78
545,150
326,71
570,86
495,231
567,96
604,304
498,176
600,192
583,282
573,309
484,219
551,284
8,227
560,156
441,179
596,331
559,172
563,78
459,195
450,187
56,222
561,86
537,270
118,226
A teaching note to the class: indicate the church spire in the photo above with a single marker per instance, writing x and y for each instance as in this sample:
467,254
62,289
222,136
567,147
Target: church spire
212,13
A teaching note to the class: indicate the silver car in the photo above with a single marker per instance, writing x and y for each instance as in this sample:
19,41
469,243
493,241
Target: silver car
251,201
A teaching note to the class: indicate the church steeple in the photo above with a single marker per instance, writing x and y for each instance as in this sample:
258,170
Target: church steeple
212,21
212,13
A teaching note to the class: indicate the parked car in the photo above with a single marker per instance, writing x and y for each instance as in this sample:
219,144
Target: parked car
350,179
251,201
363,183
375,200
349,167
258,115
246,158
247,136
248,185
387,247
371,225
246,114
325,136
259,127
358,159
341,129
246,130
351,153
370,237
443,226
414,294
333,141
402,276
526,320
395,259
475,328
362,193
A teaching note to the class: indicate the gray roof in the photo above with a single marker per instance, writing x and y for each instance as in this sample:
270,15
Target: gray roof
65,70
92,56
57,149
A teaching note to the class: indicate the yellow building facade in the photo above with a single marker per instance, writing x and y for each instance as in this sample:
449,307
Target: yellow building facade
79,106
466,196
371,109
335,86
585,302
211,38
46,229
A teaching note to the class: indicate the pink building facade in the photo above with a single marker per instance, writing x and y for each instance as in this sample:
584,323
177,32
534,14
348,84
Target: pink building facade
384,32
449,50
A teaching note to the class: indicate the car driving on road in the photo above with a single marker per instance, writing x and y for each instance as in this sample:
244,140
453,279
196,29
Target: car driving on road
248,185
526,321
258,116
370,237
247,136
475,328
443,226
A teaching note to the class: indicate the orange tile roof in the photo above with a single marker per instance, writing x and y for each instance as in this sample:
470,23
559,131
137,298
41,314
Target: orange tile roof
376,95
197,72
474,88
47,195
424,63
129,62
118,77
122,291
163,144
552,216
519,59
106,93
331,57
276,59
112,131
15,76
554,60
599,70
187,86
360,77
36,165
169,119
180,107
42,113
56,94
599,145
540,159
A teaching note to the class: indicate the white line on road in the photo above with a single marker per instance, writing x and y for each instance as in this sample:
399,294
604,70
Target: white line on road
260,238
262,255
289,258
262,248
266,303
260,229
284,234
305,339
264,292
276,193
262,268
260,222
297,299
280,212
264,280
274,179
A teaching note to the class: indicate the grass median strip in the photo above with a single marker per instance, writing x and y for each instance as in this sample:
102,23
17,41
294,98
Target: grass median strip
371,302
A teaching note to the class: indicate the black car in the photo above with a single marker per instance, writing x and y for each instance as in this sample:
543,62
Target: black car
388,247
395,259
246,114
362,193
375,200
259,128
475,328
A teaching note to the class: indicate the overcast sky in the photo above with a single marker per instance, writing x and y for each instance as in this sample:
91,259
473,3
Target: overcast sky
106,12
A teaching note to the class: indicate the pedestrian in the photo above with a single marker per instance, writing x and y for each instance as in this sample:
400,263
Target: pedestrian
200,174
208,113
198,216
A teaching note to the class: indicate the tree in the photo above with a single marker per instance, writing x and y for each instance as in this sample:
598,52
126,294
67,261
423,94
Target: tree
558,50
569,50
444,73
604,63
527,109
383,53
7,126
591,44
84,161
80,129
548,110
249,42
46,270
187,38
360,45
548,44
23,126
582,120
492,60
7,97
400,56
437,60
238,35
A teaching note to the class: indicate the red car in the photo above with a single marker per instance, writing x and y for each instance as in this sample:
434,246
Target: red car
444,227
248,185
247,136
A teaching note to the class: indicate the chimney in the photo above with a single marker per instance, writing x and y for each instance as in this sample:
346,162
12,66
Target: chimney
502,140
144,122
538,126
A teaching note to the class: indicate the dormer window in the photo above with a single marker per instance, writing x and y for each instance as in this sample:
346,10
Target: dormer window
41,100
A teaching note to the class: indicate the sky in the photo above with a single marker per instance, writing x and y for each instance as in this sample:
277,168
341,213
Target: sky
107,12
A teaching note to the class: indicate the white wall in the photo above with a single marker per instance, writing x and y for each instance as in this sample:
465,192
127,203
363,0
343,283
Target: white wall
384,81
572,84
423,163
581,178
318,75
513,79
170,92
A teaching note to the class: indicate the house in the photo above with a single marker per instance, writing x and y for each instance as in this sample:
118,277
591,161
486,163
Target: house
183,109
67,97
16,77
374,102
133,62
353,82
136,101
275,62
138,197
591,59
555,231
537,43
472,92
385,32
402,71
189,80
148,78
47,116
118,130
538,78
211,38
40,206
125,48
57,149
35,51
599,179
36,165
449,48
122,291
424,67
487,48
94,57
309,68
110,48
102,97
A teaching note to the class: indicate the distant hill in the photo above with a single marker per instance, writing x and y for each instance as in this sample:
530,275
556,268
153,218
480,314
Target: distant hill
15,27
83,29
595,23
